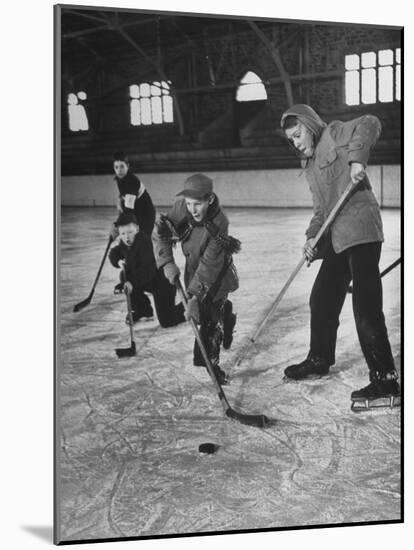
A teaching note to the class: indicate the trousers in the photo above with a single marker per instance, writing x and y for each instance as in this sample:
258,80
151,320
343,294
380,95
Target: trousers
360,264
163,292
211,332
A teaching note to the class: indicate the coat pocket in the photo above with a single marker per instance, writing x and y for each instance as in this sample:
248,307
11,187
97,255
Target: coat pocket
331,166
230,281
233,282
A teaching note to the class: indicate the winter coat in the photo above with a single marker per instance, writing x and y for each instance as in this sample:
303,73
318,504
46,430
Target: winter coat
209,270
140,267
143,209
338,144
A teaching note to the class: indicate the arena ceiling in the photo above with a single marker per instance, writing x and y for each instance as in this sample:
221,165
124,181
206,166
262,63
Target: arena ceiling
108,33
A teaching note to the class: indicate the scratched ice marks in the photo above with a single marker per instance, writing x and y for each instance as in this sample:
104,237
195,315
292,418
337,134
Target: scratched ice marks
130,428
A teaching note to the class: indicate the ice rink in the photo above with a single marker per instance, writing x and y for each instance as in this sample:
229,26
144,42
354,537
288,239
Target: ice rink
128,458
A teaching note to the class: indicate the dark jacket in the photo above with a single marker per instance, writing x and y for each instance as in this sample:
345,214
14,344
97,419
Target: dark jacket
139,259
143,209
206,263
338,144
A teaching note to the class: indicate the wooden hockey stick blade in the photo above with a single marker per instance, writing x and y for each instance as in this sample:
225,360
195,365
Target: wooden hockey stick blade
126,352
258,420
84,303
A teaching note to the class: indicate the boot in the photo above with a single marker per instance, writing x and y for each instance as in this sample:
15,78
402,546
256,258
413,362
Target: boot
380,387
311,366
229,322
179,315
175,318
221,376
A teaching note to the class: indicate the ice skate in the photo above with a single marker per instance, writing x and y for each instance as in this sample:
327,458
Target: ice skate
221,376
311,367
379,393
198,361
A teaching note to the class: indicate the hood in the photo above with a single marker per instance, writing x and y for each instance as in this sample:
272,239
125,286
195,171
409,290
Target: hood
308,117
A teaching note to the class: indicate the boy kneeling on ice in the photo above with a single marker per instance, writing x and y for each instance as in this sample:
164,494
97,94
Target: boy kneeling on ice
197,220
135,199
136,252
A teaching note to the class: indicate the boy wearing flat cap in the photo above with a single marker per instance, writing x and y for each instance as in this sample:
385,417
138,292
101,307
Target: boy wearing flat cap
198,222
136,252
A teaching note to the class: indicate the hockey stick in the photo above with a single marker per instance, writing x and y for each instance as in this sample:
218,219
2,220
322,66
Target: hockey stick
87,300
329,220
387,270
258,420
131,351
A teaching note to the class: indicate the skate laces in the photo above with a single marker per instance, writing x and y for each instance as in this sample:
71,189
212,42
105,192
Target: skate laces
377,376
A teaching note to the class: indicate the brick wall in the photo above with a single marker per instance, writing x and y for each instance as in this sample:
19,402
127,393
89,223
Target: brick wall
304,49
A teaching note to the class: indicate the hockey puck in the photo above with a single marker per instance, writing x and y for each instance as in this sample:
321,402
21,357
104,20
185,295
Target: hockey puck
208,448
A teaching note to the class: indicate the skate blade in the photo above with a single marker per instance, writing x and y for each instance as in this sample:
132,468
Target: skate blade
387,402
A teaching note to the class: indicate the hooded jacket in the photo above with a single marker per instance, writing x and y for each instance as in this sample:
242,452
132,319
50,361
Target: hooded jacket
208,268
336,146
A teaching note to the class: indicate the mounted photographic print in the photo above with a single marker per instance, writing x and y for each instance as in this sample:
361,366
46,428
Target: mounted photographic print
228,274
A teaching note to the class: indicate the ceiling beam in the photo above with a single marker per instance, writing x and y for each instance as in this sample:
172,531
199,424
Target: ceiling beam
275,55
86,15
106,26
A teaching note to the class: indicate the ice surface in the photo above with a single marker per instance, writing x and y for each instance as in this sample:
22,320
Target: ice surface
128,460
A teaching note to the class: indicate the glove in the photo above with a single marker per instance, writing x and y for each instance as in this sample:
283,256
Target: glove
114,232
171,271
357,172
192,310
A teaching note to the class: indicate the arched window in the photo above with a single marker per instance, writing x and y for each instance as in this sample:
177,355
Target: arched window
151,103
251,88
78,121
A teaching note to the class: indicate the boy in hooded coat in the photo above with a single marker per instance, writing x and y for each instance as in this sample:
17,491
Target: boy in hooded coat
197,221
331,155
